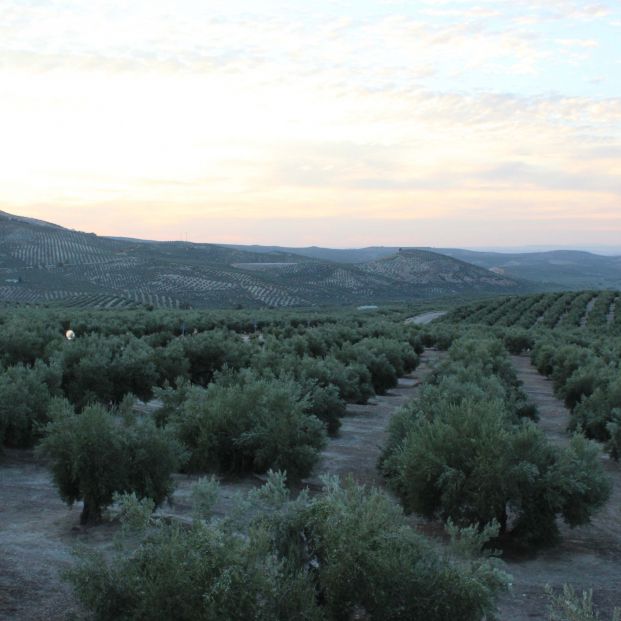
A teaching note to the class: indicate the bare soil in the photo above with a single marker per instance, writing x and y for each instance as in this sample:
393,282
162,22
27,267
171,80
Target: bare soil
425,318
37,532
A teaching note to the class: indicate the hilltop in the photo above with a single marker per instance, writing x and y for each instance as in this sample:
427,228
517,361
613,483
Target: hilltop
41,262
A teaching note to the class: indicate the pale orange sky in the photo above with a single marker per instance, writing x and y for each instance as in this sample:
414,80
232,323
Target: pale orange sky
345,124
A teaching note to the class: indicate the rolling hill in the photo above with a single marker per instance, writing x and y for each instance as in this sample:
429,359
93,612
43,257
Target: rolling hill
337,255
571,269
45,263
556,269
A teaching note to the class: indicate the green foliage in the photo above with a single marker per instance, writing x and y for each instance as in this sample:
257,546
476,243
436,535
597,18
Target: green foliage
569,606
344,553
204,496
461,452
151,455
454,464
95,454
369,560
134,512
613,445
194,574
23,341
242,423
596,411
172,399
518,341
581,480
549,482
335,358
25,394
586,374
209,352
171,362
326,404
105,369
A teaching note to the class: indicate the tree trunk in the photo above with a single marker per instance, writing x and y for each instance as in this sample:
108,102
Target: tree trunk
91,512
86,513
503,521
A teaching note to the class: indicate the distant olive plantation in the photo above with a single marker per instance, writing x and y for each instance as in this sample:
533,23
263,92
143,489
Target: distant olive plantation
45,264
600,310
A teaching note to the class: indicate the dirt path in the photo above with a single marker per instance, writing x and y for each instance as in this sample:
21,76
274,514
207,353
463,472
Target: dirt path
553,415
425,318
588,556
364,431
36,536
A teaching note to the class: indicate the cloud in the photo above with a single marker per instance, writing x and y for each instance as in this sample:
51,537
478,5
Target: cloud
519,174
335,110
580,43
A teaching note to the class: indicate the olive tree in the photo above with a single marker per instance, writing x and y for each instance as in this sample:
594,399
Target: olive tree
344,553
96,453
25,394
469,463
242,423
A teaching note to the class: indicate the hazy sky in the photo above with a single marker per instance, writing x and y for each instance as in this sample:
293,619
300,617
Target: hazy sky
342,123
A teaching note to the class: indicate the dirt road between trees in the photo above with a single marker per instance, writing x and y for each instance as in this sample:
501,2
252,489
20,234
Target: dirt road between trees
364,431
425,318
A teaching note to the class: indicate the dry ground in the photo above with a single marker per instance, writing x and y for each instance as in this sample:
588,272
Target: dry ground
425,318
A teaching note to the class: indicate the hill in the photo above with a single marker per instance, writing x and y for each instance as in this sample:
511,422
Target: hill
41,263
571,269
556,269
337,255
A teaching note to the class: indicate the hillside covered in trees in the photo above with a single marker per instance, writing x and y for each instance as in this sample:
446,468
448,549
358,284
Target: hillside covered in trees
41,263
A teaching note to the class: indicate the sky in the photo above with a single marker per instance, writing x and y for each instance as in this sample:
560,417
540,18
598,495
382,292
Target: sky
336,123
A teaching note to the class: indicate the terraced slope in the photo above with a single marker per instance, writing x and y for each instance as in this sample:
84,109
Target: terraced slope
44,263
429,269
556,269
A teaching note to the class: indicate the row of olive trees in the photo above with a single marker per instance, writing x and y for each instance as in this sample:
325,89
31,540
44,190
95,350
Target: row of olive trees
230,405
33,334
334,364
346,553
551,310
465,451
586,373
240,423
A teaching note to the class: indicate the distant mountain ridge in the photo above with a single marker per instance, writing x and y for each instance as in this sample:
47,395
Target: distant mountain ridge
572,269
560,269
44,263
